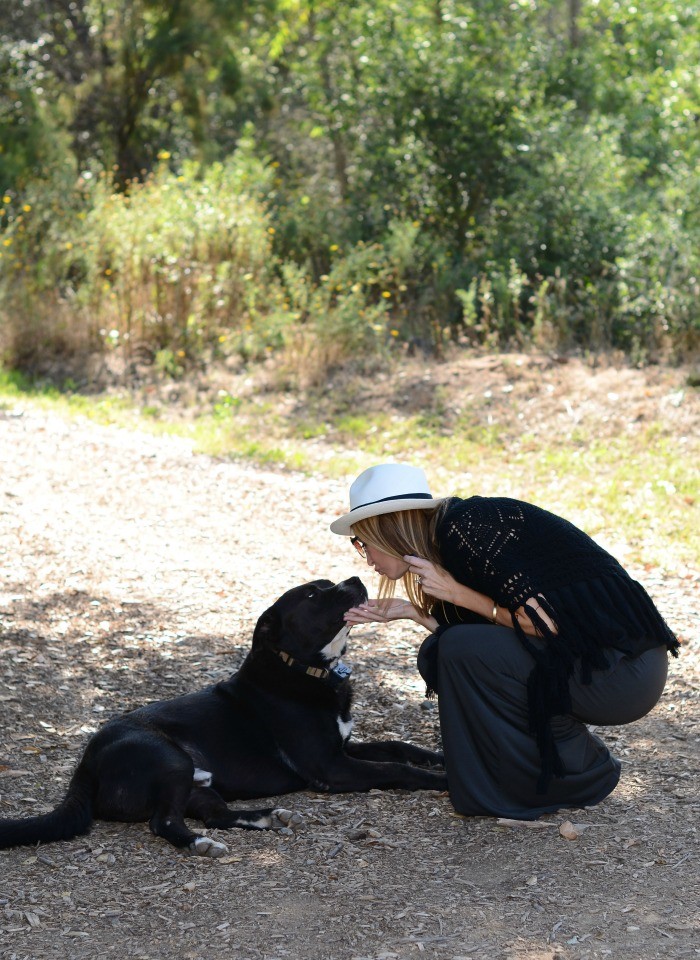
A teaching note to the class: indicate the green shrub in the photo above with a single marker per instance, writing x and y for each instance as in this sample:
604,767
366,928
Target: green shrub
172,261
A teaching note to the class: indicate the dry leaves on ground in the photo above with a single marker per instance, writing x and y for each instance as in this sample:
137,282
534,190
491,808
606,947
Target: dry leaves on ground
133,570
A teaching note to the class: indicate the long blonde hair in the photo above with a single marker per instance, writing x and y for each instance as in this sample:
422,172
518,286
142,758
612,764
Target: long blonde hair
400,533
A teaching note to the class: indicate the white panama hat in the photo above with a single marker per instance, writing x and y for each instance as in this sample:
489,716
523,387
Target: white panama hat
386,488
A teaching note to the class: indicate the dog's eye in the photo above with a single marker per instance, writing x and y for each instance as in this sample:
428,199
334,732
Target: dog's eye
311,594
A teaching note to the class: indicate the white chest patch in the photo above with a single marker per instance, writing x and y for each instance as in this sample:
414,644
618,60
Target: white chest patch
345,727
336,648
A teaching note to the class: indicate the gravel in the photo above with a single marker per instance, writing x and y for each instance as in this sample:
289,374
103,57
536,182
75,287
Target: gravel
133,569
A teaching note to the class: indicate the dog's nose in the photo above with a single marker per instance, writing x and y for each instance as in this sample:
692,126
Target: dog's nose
353,583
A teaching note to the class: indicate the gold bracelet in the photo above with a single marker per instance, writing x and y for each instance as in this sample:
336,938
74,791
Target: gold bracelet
494,613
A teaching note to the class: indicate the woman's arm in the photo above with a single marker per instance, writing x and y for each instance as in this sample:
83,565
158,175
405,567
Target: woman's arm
438,583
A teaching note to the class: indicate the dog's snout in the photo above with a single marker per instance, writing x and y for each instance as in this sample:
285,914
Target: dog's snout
355,589
353,582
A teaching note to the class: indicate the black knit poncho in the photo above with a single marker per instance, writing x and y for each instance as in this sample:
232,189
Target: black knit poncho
513,551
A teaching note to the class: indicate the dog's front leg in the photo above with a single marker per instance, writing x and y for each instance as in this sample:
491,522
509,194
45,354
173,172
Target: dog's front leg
207,805
346,774
397,750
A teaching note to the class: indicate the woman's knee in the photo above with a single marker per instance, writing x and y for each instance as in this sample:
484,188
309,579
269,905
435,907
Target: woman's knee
460,643
491,647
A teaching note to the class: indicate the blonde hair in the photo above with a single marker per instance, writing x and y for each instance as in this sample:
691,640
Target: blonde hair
397,534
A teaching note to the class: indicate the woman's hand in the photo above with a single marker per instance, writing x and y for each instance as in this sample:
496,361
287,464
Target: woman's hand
382,611
440,584
533,604
435,581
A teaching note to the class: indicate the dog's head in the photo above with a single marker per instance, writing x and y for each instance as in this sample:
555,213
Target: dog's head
307,622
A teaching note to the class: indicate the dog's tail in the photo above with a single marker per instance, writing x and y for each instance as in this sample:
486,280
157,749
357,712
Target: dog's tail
71,818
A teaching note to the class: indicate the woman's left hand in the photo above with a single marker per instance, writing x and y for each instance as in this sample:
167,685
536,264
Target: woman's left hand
434,580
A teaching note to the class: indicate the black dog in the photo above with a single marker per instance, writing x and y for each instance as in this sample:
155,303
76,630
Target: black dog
281,723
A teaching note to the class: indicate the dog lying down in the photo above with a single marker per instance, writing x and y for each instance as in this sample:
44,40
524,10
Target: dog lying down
280,724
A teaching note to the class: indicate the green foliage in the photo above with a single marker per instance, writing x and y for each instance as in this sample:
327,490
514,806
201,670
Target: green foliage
172,265
366,175
520,145
658,286
172,261
29,144
126,78
359,308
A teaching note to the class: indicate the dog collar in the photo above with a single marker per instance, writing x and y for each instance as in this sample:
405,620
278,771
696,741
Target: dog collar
336,675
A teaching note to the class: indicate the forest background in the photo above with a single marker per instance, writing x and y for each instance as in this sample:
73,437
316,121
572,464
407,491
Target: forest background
323,181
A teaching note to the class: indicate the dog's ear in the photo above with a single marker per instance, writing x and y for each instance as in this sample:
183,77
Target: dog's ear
267,629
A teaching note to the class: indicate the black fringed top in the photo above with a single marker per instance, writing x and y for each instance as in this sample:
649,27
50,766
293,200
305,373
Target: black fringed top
513,551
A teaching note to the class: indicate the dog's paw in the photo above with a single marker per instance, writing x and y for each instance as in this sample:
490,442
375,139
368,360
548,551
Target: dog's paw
285,821
202,777
206,847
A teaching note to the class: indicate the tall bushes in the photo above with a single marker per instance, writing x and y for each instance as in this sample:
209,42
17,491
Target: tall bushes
375,174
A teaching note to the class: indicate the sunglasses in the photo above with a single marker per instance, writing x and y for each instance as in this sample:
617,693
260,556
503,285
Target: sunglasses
359,546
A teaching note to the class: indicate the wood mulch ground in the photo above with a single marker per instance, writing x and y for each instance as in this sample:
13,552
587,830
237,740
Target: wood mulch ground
132,570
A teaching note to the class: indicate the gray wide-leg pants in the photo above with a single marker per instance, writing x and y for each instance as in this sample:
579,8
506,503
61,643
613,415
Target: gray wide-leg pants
492,759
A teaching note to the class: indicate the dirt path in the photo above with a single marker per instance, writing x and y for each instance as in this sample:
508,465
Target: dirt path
132,570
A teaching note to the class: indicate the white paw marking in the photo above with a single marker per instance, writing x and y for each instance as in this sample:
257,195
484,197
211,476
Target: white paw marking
202,777
205,847
262,823
285,820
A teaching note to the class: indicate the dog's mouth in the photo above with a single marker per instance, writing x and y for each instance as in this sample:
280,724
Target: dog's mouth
334,650
354,590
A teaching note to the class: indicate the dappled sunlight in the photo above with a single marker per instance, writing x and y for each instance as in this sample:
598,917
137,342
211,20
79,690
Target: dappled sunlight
96,619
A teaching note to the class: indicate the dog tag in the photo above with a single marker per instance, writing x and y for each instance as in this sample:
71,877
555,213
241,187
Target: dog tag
340,672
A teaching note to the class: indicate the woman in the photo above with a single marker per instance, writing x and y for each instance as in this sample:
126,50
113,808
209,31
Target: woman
536,631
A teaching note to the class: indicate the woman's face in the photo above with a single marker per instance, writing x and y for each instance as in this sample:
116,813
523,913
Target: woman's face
391,567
